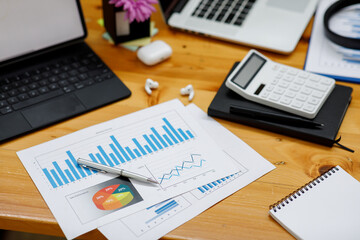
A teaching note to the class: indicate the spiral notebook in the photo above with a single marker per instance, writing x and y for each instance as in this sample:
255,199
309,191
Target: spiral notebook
328,207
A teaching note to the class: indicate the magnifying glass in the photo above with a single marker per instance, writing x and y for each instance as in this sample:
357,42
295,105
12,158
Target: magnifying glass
342,27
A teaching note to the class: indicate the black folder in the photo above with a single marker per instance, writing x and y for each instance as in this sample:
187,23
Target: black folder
331,115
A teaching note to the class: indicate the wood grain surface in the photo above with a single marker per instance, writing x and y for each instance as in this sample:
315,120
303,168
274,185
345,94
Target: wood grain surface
204,63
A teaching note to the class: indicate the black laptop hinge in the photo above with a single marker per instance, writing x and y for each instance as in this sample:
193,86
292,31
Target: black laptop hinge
180,5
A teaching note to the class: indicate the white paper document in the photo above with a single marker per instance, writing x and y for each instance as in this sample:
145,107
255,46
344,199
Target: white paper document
330,59
163,142
156,221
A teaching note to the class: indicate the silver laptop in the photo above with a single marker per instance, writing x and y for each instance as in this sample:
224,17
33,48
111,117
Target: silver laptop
275,25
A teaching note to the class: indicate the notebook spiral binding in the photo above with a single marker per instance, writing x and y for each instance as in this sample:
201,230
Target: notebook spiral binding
298,192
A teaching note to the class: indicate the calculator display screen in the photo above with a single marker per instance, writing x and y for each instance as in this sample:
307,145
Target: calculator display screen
249,70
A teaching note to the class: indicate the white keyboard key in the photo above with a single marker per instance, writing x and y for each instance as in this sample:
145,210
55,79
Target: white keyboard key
274,81
293,71
301,97
264,94
283,69
317,86
285,100
290,94
306,91
304,74
288,78
276,67
317,94
309,108
274,97
314,78
295,88
313,101
299,81
326,81
279,91
284,84
269,88
297,104
322,88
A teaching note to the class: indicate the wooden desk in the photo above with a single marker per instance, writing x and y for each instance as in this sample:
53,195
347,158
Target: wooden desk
204,63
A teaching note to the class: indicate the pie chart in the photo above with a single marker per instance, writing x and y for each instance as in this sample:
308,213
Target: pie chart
113,197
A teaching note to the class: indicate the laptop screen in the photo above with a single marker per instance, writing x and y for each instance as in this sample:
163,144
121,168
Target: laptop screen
29,26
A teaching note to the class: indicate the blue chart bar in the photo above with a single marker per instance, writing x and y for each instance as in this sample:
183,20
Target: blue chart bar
164,209
168,139
148,149
183,134
53,173
189,133
47,174
155,141
114,153
211,185
170,134
62,175
117,153
69,175
173,129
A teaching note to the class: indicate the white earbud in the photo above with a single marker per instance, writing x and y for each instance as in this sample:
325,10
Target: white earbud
188,90
150,84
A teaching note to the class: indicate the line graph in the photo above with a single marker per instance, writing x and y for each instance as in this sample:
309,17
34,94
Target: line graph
180,168
185,165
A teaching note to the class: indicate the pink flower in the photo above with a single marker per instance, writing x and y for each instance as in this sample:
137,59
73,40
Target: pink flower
139,10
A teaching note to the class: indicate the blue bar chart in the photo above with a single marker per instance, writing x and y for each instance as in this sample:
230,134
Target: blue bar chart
211,187
111,151
144,220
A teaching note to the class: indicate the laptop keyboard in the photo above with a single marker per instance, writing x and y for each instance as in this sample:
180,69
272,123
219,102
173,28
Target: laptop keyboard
49,80
227,11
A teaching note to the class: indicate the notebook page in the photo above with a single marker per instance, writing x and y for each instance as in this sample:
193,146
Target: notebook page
329,210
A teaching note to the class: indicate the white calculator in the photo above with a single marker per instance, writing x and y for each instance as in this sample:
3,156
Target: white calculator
296,91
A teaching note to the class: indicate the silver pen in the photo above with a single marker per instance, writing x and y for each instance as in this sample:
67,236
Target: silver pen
121,172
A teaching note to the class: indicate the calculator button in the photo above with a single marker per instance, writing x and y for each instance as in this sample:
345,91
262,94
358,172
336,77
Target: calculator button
283,69
317,86
299,81
286,100
264,94
293,71
290,94
314,78
322,88
274,97
274,81
309,108
279,91
276,67
279,75
304,74
295,88
313,101
326,81
288,78
301,97
317,94
296,104
284,84
306,91
269,88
